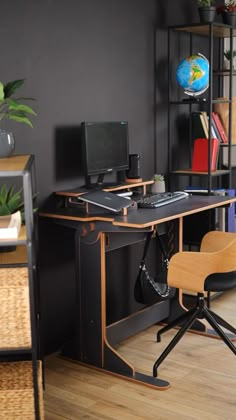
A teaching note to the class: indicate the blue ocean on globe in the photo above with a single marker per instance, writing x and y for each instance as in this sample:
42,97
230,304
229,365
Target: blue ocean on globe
192,74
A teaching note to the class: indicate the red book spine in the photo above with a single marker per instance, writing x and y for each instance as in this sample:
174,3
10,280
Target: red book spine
219,125
200,155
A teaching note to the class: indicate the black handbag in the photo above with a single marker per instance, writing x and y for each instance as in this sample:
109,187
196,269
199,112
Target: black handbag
148,289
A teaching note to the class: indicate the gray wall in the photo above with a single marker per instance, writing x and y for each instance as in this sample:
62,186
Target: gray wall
87,60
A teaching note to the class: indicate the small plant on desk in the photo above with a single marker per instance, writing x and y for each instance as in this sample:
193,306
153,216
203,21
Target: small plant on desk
159,183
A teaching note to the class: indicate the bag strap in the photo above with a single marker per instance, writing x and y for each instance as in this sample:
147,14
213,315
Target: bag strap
146,246
164,253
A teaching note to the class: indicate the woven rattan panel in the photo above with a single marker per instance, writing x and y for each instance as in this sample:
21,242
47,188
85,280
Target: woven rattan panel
15,330
16,391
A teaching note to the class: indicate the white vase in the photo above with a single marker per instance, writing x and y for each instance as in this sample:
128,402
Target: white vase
158,187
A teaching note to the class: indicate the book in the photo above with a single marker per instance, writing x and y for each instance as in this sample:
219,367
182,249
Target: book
200,154
220,127
205,124
221,108
107,200
215,130
198,130
10,226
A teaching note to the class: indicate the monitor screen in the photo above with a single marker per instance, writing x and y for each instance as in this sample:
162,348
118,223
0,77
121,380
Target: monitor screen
105,147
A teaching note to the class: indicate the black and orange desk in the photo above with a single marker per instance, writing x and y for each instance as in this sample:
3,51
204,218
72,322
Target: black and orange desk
95,341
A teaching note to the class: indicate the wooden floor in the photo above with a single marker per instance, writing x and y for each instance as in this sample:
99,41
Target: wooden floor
201,370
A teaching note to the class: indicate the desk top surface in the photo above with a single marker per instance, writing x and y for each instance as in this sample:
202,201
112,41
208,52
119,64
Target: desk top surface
141,218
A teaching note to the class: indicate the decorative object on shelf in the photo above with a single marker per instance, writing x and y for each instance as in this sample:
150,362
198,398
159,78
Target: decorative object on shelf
228,12
10,225
227,55
192,74
159,183
10,202
206,10
12,109
7,143
222,109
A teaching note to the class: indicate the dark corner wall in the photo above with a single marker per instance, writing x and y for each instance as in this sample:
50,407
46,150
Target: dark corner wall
86,60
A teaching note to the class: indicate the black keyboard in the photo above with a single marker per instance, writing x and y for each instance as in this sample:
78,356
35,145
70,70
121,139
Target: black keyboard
151,201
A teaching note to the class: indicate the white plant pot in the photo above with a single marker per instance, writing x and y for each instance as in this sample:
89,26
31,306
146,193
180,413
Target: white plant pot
158,186
226,64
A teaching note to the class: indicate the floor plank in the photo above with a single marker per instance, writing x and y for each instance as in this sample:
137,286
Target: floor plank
201,370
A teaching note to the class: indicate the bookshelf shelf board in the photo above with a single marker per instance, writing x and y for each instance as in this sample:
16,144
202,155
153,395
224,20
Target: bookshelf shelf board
190,172
189,101
19,256
224,73
199,101
14,165
220,30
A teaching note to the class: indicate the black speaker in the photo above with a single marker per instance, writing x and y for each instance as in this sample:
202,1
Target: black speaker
134,167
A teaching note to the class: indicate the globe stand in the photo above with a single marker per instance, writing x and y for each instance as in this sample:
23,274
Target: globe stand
194,100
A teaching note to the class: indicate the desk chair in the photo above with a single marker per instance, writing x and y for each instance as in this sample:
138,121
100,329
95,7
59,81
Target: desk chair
213,269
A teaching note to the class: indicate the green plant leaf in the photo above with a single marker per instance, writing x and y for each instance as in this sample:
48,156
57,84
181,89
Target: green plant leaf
20,119
4,210
1,91
11,87
3,194
12,108
14,105
15,204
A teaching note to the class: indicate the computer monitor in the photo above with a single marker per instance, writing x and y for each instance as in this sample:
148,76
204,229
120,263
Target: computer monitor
105,148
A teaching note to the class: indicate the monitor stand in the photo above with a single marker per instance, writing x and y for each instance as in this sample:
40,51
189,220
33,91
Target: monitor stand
100,184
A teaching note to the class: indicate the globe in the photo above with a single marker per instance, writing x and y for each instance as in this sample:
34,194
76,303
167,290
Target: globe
192,74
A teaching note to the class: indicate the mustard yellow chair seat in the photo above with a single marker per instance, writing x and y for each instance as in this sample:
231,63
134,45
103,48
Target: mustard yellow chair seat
212,269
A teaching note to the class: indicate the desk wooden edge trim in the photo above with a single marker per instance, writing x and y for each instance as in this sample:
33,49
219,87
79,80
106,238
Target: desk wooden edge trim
174,217
77,218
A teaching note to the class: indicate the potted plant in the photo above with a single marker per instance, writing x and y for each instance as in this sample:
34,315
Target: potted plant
228,12
227,55
158,184
206,10
12,201
12,108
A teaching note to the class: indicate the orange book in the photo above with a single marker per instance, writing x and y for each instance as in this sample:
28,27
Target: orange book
200,154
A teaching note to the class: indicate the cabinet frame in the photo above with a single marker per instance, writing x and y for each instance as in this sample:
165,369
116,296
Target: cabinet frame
23,166
212,31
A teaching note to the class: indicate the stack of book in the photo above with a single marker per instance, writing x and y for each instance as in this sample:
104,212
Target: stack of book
200,126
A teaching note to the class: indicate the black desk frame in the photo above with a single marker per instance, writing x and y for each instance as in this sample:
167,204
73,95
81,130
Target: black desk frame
95,235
